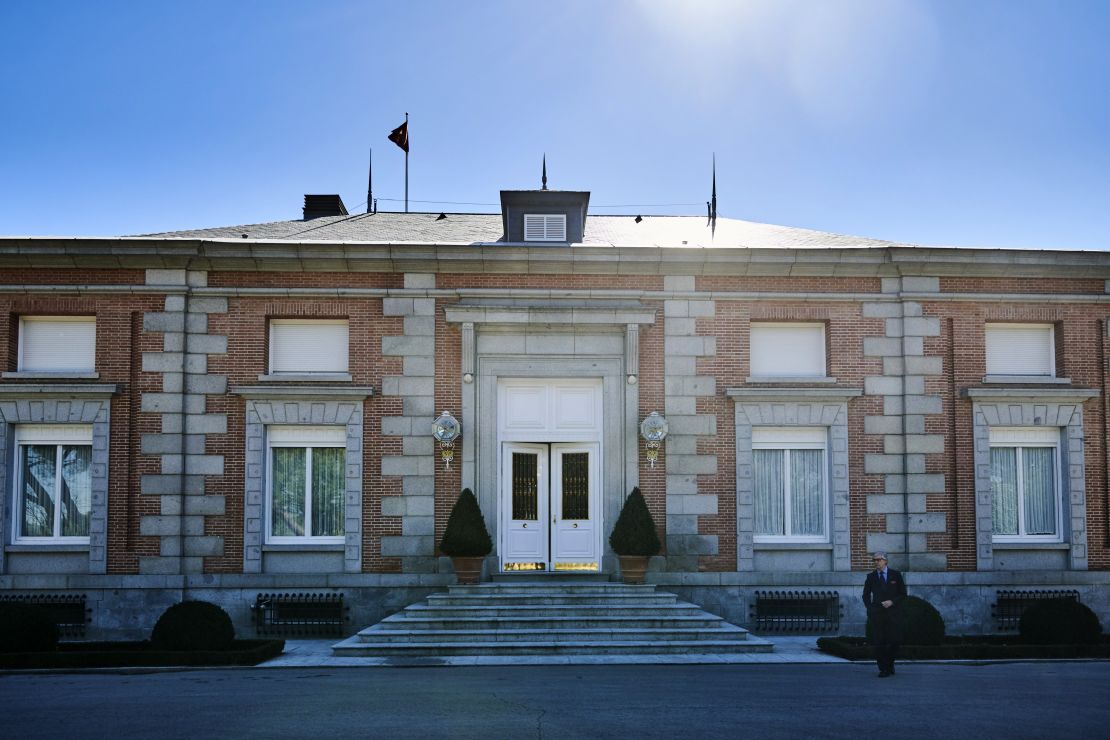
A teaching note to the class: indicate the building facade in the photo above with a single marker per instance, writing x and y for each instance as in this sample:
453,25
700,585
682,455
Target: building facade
226,412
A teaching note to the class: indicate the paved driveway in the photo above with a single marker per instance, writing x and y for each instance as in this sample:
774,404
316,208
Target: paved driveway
1015,700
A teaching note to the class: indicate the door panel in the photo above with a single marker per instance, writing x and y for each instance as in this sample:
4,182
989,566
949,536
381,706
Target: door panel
549,505
574,501
525,504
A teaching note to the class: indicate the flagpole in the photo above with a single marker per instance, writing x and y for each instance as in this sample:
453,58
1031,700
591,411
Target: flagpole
406,163
370,182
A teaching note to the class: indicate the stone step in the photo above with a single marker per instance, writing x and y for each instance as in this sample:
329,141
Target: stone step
528,610
374,634
549,577
548,588
401,622
352,647
552,599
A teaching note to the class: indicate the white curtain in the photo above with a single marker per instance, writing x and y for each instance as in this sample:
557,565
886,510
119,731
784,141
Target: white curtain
287,488
1039,474
805,492
1004,493
39,472
327,491
770,492
76,491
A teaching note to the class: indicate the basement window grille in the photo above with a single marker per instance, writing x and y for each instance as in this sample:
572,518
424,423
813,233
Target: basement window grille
299,614
796,611
1010,605
68,611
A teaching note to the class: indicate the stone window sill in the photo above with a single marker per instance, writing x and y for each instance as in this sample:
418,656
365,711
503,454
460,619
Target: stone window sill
1031,546
792,545
793,380
306,547
32,375
48,547
1030,379
305,377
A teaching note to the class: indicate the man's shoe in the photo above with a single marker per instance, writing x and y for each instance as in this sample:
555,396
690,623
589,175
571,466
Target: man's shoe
891,670
884,674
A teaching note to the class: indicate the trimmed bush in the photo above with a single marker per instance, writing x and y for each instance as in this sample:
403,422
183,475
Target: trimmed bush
193,625
634,532
918,621
1059,622
466,535
26,628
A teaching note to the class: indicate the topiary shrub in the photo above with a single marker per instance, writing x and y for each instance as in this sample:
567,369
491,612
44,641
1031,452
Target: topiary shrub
919,622
1059,622
26,628
466,535
634,533
193,625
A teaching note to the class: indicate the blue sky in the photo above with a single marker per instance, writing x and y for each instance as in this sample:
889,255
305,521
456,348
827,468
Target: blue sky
948,123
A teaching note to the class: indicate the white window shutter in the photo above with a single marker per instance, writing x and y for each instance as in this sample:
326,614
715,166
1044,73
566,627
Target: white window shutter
545,227
787,350
1020,349
57,344
308,346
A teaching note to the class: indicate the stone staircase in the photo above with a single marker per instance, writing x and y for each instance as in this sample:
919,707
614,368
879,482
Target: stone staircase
552,619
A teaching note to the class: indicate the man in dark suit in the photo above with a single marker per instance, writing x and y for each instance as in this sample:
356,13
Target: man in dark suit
882,592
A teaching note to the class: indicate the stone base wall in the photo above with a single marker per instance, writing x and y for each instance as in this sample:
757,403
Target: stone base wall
127,607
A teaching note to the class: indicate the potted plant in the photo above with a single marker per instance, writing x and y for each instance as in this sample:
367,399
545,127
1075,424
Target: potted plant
634,538
466,540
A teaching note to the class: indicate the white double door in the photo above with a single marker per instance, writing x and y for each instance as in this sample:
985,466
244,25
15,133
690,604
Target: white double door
550,506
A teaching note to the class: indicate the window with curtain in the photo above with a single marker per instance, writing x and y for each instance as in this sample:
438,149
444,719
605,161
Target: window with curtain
306,484
789,483
53,483
1024,489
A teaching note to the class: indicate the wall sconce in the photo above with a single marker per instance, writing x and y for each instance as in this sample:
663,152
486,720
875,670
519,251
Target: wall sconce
654,430
446,429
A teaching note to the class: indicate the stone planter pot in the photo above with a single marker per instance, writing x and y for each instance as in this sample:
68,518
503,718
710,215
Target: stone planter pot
633,568
468,570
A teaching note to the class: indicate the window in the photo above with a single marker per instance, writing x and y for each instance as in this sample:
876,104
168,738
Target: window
308,346
306,483
788,477
58,344
1021,349
545,227
787,350
1025,502
53,483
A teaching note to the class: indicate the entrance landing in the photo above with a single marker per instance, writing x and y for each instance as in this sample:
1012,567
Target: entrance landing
563,621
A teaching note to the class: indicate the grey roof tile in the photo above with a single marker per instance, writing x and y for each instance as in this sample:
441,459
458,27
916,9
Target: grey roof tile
479,228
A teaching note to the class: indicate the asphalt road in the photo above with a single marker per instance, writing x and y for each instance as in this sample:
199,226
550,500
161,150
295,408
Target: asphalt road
1022,700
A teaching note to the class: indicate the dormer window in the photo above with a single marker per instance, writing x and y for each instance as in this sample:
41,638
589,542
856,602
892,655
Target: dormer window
545,227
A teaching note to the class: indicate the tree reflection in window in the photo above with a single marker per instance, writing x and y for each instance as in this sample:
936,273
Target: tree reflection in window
56,505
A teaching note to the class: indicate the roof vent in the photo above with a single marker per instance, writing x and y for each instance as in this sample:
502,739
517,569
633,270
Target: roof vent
316,206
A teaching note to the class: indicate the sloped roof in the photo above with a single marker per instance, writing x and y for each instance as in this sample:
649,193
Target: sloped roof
486,228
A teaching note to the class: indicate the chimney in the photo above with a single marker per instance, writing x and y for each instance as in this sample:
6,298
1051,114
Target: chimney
316,206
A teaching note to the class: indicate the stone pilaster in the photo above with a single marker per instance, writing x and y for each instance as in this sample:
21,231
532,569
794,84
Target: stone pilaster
180,445
902,425
682,387
416,463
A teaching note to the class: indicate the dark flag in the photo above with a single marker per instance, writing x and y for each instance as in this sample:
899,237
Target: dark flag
400,136
712,205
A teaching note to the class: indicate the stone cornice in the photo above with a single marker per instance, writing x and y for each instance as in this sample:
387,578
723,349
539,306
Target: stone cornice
553,314
323,392
249,254
1044,393
794,394
60,390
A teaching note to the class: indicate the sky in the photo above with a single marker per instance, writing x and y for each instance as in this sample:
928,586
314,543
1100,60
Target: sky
947,122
